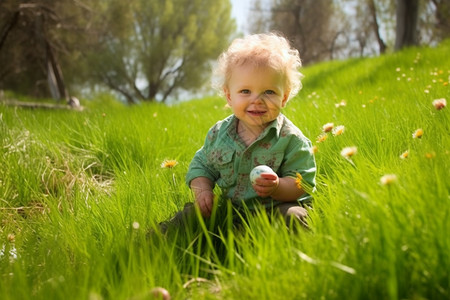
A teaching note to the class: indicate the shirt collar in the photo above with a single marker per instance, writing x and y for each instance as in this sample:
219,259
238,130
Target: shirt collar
276,125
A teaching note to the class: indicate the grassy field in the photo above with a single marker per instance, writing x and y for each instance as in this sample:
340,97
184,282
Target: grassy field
80,190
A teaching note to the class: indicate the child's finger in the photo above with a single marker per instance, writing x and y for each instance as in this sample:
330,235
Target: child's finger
262,182
204,209
269,176
209,206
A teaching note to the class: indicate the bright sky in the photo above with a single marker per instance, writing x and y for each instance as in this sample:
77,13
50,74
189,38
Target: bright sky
240,12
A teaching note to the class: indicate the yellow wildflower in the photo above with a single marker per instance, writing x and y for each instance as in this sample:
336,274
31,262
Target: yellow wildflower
388,179
298,180
322,138
348,152
430,155
342,103
327,127
11,238
440,103
314,149
338,130
418,133
404,154
169,163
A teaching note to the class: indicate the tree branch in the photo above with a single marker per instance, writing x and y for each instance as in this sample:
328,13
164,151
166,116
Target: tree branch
8,28
109,82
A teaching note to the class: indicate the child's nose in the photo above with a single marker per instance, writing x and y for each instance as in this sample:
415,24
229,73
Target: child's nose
259,98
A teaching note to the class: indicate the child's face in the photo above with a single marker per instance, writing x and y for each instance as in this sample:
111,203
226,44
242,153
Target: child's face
256,95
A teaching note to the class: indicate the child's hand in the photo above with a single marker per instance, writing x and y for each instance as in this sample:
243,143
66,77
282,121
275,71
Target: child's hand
205,200
266,184
204,196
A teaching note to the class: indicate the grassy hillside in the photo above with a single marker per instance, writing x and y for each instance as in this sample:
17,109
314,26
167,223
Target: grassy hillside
80,190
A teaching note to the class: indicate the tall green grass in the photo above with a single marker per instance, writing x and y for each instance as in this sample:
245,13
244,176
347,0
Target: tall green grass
79,192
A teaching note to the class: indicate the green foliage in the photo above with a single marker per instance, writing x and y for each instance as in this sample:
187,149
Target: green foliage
166,48
32,32
142,50
80,191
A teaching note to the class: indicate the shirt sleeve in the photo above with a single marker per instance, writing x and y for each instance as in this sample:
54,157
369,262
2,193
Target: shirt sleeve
299,159
199,166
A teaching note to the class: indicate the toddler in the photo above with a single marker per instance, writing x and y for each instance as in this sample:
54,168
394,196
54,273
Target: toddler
257,75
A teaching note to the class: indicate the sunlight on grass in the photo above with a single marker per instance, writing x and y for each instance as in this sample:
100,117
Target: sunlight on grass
82,194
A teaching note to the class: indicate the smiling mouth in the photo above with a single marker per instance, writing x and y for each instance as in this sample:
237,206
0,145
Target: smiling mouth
257,113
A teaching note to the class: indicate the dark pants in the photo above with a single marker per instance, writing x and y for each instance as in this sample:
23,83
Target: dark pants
292,212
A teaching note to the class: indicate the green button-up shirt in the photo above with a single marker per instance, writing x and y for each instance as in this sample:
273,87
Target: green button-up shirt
227,161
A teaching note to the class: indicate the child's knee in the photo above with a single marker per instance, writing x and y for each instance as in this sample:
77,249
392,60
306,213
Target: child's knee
297,212
292,212
181,219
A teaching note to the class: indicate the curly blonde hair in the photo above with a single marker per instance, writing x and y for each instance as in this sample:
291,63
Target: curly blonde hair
267,50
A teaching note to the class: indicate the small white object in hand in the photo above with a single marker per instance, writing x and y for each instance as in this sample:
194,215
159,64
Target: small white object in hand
258,170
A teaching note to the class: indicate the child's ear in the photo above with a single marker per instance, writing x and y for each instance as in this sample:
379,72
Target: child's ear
285,98
226,92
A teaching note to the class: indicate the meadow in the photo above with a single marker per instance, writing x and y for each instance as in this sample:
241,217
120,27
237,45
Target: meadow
80,191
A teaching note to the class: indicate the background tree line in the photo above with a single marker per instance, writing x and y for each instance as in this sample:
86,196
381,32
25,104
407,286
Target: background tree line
155,50
329,29
142,50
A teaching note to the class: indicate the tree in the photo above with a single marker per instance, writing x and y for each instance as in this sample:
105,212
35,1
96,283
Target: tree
308,24
261,19
365,25
442,17
167,47
34,39
406,31
144,50
24,27
346,28
361,27
376,26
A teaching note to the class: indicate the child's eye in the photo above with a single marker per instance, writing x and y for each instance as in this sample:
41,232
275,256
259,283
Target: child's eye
269,92
245,92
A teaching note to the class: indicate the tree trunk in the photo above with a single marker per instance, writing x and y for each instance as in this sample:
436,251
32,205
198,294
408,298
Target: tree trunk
442,14
55,76
8,28
376,27
406,28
